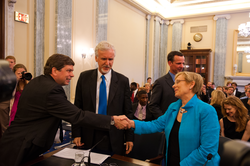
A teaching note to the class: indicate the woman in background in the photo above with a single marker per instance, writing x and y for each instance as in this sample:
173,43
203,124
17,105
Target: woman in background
217,97
21,83
235,124
191,126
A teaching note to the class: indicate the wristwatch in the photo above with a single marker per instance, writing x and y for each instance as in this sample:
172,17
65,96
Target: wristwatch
112,121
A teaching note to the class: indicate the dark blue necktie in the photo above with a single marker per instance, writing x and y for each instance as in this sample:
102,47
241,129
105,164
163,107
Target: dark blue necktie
102,109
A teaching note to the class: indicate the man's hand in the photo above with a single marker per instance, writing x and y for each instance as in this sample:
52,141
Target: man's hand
77,141
121,122
129,147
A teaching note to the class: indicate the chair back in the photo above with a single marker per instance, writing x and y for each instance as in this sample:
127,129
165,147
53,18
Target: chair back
147,146
234,152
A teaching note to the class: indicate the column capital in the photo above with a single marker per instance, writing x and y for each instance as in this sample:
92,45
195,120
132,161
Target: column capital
167,22
227,16
179,20
12,2
157,19
148,17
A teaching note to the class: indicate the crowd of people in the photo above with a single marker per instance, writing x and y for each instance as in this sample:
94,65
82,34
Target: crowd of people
192,115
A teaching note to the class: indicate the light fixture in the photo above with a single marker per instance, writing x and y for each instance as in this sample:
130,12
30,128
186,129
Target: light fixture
244,29
87,52
248,57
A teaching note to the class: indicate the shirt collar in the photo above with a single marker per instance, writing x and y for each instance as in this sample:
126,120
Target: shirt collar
141,105
172,75
191,103
107,75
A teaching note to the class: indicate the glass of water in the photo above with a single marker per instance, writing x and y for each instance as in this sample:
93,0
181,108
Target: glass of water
79,159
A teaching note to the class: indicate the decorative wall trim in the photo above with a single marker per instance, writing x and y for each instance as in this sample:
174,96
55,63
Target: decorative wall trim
12,2
177,36
147,46
227,16
175,21
101,21
167,22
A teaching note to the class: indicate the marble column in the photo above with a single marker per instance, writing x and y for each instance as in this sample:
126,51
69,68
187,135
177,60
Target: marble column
220,48
63,31
240,59
148,18
176,34
9,27
101,20
39,37
163,48
156,55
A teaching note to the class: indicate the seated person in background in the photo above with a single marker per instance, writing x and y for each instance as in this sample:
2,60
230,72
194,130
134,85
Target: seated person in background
216,100
246,101
204,94
21,83
133,91
225,89
147,86
219,88
230,91
191,126
140,109
229,83
243,95
236,92
235,124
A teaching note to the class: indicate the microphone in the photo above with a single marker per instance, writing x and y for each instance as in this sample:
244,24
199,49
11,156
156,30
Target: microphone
94,147
209,157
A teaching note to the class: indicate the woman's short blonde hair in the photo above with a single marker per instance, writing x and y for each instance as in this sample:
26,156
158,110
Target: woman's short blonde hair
217,97
190,77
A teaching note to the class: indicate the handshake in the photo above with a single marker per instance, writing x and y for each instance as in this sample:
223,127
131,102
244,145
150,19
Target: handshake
122,122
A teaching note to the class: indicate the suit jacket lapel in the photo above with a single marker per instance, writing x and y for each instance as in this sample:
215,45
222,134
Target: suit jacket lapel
113,87
169,81
92,86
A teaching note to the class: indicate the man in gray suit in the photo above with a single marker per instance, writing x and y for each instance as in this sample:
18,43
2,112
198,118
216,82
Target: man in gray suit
163,93
116,101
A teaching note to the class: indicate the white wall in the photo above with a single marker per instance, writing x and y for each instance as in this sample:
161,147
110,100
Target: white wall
127,31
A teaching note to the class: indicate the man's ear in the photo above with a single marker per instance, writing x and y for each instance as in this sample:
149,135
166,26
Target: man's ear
53,71
170,63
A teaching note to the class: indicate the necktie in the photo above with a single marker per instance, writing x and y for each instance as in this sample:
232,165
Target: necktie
102,109
133,97
140,114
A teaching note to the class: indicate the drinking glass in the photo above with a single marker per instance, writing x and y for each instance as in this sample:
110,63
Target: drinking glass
79,159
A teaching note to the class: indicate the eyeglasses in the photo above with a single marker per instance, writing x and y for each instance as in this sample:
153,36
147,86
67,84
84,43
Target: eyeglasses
178,81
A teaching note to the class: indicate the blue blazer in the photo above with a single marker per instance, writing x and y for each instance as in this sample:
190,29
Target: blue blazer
198,133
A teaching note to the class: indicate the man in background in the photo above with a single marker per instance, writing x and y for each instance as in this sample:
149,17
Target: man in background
149,80
236,92
133,91
230,91
163,93
140,109
116,101
5,105
246,101
11,60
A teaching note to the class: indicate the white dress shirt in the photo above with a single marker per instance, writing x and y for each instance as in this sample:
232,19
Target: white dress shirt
99,80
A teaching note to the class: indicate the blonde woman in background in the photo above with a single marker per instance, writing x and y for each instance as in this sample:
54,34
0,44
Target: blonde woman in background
217,97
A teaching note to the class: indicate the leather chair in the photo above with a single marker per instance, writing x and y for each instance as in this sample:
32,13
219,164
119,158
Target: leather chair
149,147
234,152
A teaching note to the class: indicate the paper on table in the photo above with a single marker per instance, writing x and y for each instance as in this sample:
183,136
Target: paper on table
96,158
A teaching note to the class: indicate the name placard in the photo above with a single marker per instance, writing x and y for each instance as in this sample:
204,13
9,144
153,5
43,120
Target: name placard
21,17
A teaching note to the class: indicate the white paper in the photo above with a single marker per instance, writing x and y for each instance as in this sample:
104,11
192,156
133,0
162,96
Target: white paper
68,153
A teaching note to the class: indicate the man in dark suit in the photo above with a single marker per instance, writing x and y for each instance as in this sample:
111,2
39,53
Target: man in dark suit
88,97
163,93
133,91
41,107
237,93
140,109
246,101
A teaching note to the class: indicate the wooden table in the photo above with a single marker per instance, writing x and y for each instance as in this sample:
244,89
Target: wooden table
115,156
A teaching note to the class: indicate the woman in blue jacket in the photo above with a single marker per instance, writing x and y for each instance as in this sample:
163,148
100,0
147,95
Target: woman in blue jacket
191,126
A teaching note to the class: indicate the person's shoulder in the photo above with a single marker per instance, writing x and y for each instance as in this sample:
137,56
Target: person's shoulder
87,72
